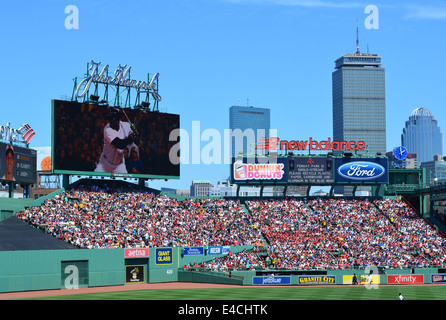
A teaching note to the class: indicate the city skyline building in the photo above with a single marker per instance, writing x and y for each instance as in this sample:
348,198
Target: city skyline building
422,135
435,170
200,188
254,125
359,102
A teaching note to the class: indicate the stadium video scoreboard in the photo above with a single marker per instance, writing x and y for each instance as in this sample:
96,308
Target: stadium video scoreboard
82,135
18,164
311,170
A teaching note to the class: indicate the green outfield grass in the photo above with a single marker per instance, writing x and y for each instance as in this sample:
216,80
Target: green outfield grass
272,293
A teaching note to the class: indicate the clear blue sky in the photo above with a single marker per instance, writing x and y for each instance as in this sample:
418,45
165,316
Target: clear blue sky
210,54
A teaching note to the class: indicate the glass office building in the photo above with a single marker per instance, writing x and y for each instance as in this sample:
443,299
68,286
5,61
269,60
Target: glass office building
422,135
435,170
359,103
254,125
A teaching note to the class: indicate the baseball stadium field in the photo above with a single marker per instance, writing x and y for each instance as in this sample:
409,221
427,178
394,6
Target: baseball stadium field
227,292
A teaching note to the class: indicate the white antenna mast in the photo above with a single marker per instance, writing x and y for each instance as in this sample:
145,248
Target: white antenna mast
357,37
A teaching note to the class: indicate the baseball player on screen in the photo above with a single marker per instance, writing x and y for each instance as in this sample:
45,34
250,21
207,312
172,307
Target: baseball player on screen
117,136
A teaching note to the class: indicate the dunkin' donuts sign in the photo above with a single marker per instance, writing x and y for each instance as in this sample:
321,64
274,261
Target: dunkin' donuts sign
255,170
243,171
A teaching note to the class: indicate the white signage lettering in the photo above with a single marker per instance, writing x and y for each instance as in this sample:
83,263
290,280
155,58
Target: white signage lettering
72,280
357,171
13,135
119,79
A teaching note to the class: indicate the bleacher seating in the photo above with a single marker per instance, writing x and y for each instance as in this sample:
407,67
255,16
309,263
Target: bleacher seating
290,233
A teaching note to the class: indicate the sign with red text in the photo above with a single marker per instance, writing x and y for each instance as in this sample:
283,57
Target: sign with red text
275,143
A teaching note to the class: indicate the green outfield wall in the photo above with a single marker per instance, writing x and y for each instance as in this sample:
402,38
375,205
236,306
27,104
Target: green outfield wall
10,206
56,269
71,269
59,269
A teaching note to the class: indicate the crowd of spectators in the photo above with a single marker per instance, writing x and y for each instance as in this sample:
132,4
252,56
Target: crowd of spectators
244,260
300,234
294,233
340,233
414,231
121,217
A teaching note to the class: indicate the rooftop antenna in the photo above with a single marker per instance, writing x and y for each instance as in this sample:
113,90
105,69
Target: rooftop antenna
357,37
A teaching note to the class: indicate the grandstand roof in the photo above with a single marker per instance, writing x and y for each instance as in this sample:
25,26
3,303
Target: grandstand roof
17,235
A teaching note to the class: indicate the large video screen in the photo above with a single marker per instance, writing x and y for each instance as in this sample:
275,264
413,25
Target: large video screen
93,139
17,164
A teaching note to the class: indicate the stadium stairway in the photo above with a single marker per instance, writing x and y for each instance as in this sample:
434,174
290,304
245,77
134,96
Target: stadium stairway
263,251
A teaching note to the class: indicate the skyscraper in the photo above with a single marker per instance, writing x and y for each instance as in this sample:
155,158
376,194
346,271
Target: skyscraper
422,135
254,124
359,103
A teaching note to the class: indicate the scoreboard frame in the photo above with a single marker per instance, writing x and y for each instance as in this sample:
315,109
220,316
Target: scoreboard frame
317,170
24,164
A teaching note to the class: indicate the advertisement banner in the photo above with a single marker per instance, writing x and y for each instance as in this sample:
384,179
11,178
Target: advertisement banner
361,279
272,280
361,170
219,250
134,274
163,256
136,252
311,280
405,278
43,158
324,145
438,278
193,251
258,170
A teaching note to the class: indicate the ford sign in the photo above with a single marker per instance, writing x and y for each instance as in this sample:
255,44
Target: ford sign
361,170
